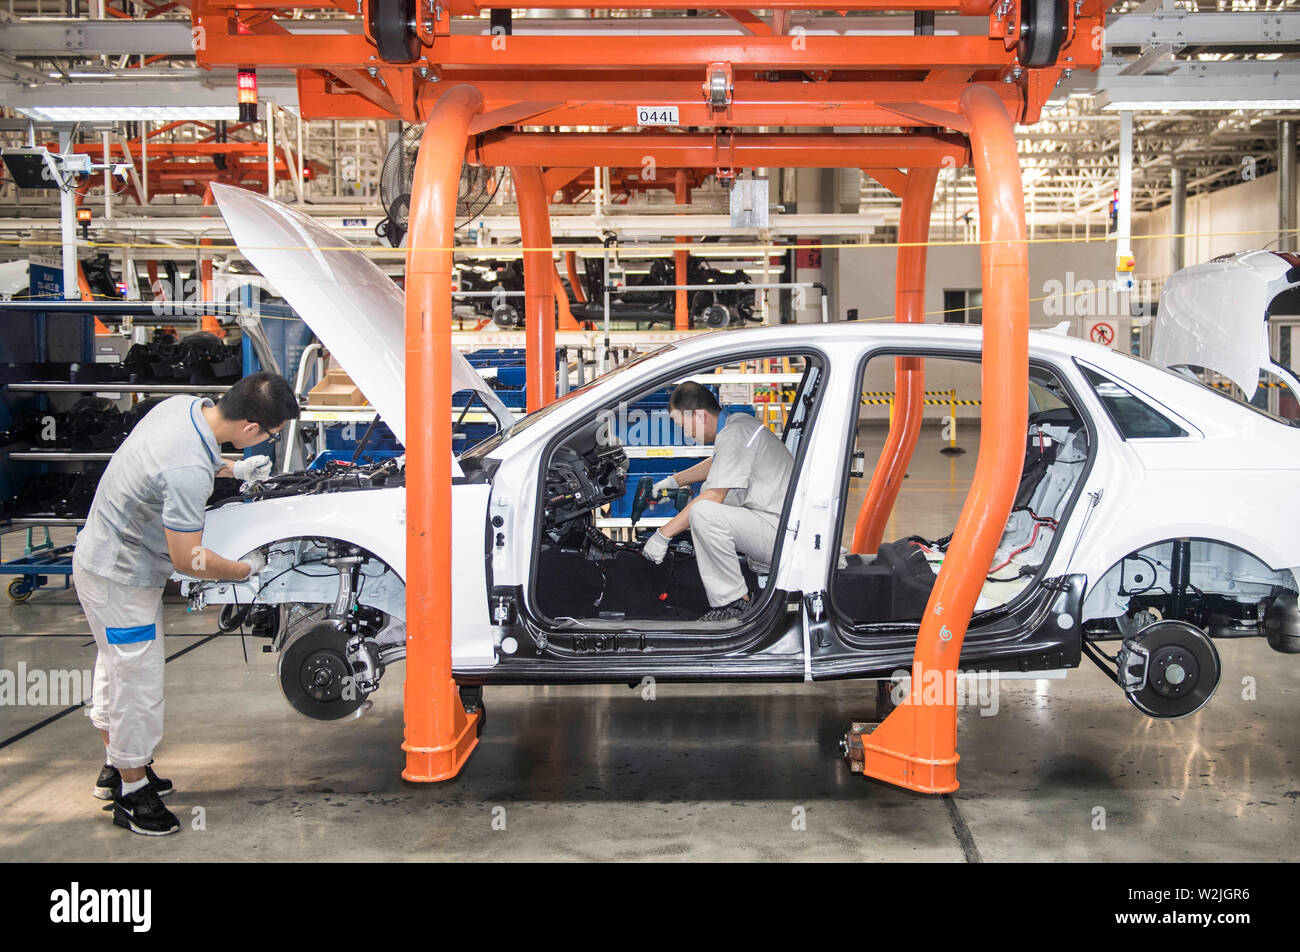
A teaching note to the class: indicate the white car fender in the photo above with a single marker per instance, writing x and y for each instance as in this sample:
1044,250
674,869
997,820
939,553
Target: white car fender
375,520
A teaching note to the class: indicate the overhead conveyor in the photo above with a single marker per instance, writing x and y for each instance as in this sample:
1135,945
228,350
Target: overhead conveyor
953,75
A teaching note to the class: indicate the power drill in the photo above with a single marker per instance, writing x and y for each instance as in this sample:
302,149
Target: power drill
644,497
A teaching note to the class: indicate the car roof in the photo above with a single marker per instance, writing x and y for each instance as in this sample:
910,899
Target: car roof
1042,341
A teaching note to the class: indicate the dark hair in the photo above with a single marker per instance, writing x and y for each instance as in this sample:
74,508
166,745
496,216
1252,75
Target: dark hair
690,396
263,398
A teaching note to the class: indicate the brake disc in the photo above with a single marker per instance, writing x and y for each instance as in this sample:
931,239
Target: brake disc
316,677
1177,668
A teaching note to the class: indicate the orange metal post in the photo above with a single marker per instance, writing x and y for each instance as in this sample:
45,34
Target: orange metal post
571,266
208,322
566,319
909,372
916,746
539,311
83,285
439,734
682,308
87,295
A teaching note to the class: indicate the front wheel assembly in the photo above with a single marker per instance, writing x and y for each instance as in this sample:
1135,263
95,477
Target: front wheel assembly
316,677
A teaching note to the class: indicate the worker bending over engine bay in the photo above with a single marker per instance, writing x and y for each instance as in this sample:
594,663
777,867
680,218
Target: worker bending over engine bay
146,521
739,506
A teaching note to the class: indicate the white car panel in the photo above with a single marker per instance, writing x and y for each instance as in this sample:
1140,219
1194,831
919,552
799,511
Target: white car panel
1212,315
348,302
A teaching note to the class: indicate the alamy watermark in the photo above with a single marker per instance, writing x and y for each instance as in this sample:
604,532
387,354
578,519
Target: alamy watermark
636,426
975,688
175,298
24,687
78,904
1106,297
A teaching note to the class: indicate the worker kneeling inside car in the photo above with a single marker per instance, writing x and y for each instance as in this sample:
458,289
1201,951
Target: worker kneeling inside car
739,506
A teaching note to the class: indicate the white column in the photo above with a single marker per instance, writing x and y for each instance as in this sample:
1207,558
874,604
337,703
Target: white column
68,227
270,149
1124,222
144,161
108,176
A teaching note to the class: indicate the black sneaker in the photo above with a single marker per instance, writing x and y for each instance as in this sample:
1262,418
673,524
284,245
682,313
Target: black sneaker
110,782
728,612
142,811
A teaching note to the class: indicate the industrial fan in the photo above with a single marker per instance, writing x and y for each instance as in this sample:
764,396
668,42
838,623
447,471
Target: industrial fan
478,185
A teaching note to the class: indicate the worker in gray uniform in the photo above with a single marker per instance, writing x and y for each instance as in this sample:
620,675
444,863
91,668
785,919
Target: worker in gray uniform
739,506
145,522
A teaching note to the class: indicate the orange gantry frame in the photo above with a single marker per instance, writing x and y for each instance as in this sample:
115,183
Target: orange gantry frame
500,88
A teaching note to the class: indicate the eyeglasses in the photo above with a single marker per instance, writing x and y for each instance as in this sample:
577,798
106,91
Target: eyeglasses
270,437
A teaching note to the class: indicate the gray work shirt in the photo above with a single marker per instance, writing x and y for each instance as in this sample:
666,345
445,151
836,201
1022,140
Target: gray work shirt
160,477
751,462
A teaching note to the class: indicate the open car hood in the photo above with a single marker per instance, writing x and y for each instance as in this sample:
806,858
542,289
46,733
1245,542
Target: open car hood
353,307
1215,315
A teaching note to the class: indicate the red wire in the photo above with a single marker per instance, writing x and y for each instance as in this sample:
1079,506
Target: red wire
1032,539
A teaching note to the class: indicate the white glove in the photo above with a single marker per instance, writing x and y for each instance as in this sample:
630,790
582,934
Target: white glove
665,484
656,547
255,467
256,562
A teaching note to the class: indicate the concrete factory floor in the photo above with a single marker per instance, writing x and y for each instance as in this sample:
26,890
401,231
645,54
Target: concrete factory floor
702,772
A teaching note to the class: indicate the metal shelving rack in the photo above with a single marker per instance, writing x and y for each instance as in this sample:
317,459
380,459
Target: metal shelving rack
44,558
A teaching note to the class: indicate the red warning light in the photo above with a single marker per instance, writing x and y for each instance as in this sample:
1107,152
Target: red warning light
247,94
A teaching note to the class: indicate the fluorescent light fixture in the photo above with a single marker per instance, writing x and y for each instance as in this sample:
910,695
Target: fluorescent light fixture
124,113
1182,105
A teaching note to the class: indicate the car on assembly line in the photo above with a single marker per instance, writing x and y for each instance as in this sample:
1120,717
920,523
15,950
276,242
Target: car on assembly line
1154,512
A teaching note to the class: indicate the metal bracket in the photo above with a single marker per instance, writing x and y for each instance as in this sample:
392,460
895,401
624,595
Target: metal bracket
724,156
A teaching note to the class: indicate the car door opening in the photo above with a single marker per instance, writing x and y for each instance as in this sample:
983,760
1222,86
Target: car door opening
599,507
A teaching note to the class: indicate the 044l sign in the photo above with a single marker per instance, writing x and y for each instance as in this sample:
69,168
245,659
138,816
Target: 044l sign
657,116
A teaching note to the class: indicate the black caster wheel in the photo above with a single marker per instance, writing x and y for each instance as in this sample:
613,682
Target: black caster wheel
392,24
1042,31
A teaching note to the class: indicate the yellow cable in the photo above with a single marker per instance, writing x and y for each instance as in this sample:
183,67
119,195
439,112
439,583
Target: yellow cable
476,252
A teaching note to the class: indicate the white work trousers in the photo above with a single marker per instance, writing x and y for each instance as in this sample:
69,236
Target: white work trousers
719,532
127,623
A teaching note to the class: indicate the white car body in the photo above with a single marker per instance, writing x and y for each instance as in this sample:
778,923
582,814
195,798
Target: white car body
1229,483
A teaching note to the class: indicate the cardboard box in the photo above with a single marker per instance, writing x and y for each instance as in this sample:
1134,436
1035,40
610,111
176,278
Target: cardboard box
336,390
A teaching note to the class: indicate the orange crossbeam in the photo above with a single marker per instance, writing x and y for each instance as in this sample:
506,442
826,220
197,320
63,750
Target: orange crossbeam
699,150
642,53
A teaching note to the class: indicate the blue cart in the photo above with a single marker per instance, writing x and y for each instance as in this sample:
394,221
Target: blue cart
39,562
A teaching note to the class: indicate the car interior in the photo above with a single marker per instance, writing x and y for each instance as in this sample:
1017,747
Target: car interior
596,504
893,584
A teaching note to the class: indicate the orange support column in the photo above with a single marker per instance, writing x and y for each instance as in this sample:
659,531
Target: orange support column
681,260
208,322
86,295
916,745
539,307
909,372
567,321
571,266
439,734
